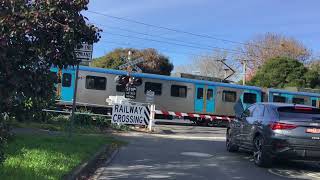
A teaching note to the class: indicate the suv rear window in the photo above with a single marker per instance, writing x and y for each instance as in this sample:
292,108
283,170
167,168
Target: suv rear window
298,112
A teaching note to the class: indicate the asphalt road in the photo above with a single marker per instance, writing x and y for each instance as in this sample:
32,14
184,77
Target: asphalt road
190,152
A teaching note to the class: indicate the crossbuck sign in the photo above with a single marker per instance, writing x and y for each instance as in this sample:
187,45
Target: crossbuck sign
130,114
132,64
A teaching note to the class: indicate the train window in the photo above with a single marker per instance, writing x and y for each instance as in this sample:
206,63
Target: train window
121,88
210,94
314,103
178,91
200,93
96,83
280,99
229,96
249,98
155,87
297,100
66,80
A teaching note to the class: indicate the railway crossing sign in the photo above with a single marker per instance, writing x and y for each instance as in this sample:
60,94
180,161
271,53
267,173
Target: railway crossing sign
130,114
131,92
83,52
132,64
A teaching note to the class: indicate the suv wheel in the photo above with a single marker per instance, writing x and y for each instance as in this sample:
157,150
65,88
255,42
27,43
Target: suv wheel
260,156
230,145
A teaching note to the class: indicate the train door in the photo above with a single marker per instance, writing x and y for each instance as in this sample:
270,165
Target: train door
67,84
204,99
199,98
210,106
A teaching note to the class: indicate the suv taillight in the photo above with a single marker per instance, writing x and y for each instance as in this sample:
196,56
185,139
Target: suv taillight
282,126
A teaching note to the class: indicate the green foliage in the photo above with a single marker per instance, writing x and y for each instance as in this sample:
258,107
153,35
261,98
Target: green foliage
154,63
279,73
49,157
103,122
4,135
35,35
313,75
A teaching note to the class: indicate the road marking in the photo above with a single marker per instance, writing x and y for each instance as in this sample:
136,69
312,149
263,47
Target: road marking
217,138
294,174
196,154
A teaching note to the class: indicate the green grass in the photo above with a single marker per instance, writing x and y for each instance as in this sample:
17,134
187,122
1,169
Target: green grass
63,127
48,157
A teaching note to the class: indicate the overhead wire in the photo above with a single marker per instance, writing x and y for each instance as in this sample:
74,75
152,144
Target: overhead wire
165,28
170,39
171,43
174,30
163,50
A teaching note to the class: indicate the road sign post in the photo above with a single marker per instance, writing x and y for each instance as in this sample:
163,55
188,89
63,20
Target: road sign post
82,52
74,99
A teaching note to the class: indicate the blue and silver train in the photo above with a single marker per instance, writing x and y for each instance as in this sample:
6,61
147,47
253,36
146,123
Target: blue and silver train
175,94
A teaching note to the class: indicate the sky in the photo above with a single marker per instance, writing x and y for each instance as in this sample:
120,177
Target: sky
233,20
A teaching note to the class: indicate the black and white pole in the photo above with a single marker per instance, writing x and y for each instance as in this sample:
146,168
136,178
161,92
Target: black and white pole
152,116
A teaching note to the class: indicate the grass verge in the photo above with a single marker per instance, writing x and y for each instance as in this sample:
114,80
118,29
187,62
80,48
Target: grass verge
62,127
49,157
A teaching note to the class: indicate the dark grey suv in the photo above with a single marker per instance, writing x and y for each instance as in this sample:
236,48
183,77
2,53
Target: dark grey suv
276,130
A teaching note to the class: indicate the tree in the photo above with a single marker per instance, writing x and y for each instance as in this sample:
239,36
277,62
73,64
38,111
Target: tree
280,72
206,65
270,45
313,75
35,35
154,63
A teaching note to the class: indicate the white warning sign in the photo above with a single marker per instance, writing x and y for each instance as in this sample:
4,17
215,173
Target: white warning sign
130,114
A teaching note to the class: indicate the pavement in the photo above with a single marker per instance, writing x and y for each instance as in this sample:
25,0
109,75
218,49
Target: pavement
191,152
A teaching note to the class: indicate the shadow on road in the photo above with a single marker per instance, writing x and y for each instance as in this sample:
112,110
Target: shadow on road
150,157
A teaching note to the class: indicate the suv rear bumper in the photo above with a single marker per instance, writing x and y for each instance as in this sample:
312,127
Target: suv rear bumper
290,148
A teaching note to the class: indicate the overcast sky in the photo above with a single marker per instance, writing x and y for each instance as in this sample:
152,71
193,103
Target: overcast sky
235,20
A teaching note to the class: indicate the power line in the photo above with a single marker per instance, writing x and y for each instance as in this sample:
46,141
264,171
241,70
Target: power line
170,39
164,50
166,28
166,42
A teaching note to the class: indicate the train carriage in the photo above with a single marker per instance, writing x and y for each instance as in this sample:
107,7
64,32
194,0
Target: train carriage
284,96
173,94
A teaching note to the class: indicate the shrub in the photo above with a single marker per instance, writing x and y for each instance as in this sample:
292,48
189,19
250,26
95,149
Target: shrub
60,119
102,122
4,135
83,119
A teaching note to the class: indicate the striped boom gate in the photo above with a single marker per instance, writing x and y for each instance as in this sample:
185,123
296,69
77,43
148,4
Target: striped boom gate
193,115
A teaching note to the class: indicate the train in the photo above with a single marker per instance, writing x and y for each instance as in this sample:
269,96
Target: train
174,94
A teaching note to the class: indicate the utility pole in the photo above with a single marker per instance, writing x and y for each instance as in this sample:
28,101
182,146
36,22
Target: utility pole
244,63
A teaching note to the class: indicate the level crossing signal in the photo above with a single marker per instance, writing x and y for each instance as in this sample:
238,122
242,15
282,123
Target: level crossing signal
128,80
